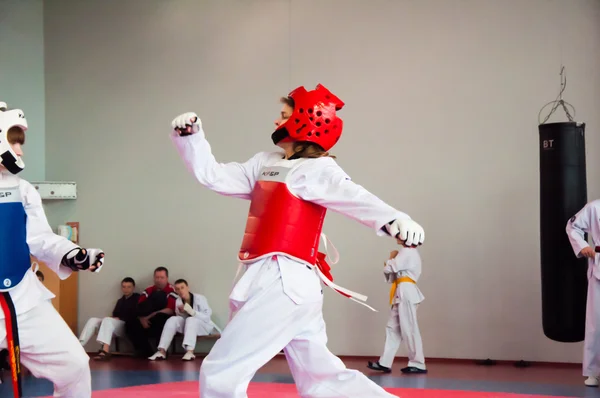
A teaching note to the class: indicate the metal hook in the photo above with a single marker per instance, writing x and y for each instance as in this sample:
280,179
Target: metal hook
559,100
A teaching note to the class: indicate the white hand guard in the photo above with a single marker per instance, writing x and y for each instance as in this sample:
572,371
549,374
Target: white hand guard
408,231
186,124
81,259
187,308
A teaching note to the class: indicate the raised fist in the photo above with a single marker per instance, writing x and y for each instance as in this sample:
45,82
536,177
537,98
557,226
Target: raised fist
407,231
186,124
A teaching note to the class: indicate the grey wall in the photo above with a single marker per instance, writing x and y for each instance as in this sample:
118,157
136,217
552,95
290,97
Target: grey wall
441,121
22,75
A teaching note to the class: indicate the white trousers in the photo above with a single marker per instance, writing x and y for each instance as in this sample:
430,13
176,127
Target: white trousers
267,323
402,326
106,328
591,345
50,350
190,327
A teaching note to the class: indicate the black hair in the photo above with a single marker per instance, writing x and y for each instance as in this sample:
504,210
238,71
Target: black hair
128,280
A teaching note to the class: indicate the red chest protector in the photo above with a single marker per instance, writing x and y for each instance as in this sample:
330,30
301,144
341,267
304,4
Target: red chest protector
280,223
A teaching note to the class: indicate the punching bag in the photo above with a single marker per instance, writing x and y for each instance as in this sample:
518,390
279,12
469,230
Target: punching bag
563,192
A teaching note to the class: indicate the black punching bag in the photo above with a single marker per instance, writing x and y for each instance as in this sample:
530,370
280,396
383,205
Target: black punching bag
563,192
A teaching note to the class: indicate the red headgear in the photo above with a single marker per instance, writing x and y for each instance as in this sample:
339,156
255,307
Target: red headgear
313,119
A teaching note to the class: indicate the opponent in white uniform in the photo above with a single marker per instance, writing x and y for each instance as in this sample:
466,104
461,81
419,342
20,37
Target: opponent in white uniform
587,220
192,318
279,298
403,270
30,327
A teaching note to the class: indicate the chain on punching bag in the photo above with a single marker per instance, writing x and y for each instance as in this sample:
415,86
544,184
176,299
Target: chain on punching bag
563,192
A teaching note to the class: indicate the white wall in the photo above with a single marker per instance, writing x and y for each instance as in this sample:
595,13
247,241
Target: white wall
441,121
22,75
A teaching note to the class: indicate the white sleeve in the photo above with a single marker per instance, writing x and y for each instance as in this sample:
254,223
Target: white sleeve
323,182
577,227
44,244
228,179
388,271
203,310
388,268
179,302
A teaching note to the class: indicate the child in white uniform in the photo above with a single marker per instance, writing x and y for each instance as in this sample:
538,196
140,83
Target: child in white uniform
403,270
192,318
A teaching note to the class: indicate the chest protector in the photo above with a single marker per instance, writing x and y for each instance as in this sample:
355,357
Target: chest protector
15,260
280,223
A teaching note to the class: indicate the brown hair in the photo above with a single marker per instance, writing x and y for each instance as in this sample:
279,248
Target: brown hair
15,135
305,149
289,101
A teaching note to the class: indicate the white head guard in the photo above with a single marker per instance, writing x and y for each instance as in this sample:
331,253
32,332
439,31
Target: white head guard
10,118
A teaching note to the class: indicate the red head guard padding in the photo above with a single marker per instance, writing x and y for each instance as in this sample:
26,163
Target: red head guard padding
314,118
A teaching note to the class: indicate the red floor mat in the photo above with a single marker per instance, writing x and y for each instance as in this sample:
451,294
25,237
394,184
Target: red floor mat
189,389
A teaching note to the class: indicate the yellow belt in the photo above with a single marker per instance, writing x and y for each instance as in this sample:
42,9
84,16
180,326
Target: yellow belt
395,286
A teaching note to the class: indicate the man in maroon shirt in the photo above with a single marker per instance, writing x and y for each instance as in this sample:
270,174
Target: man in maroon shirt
156,305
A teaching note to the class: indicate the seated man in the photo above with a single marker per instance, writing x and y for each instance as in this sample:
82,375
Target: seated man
156,305
192,319
125,309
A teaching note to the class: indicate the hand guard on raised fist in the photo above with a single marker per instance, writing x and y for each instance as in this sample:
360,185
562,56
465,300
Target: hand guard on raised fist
82,259
408,231
186,124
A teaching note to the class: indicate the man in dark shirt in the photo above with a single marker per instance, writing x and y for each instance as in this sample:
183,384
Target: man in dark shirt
125,309
155,306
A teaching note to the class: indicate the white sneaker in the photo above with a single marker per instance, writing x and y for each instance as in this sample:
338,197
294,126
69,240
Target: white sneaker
592,381
157,355
189,356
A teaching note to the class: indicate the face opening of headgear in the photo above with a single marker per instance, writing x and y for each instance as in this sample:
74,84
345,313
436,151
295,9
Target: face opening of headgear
10,118
314,118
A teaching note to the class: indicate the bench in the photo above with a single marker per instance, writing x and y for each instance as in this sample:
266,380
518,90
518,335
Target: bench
178,341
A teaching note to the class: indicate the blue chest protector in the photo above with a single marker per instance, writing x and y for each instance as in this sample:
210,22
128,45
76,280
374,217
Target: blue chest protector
15,259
